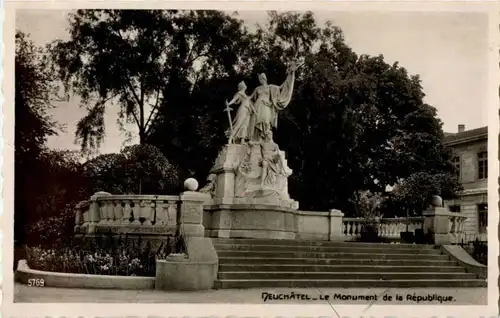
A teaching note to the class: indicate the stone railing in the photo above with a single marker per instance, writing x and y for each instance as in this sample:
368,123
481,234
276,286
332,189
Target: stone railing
445,227
140,214
392,227
387,227
105,213
352,227
457,228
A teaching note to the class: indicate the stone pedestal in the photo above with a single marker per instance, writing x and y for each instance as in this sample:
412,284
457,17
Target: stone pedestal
191,213
244,204
437,224
252,221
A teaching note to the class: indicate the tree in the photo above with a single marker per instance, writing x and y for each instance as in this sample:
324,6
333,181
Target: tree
35,90
58,186
136,169
141,60
34,94
414,194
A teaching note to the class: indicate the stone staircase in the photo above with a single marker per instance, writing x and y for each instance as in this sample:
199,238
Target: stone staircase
250,263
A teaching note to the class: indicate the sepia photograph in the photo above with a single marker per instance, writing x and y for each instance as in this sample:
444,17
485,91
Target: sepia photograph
251,157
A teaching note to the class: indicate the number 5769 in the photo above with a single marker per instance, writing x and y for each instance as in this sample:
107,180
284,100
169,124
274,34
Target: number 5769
36,282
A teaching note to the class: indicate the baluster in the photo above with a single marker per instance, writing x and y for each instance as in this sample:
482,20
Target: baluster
462,224
391,228
127,211
152,216
349,228
136,210
86,217
102,211
454,225
111,211
382,230
450,224
359,225
172,213
161,212
118,211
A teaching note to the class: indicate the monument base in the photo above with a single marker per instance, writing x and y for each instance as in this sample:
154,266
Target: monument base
248,186
250,221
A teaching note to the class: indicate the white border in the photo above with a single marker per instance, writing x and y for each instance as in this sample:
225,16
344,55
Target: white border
205,310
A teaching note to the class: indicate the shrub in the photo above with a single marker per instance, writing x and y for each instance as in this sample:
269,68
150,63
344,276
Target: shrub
136,169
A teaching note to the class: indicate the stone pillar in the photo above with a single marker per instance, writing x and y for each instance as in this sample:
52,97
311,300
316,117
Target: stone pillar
190,221
335,231
437,224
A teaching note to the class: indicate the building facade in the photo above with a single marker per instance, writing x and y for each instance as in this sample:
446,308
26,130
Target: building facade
470,148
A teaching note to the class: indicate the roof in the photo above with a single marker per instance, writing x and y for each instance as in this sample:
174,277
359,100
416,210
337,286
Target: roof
466,136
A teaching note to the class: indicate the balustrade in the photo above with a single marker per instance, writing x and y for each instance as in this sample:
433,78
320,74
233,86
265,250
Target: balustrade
387,228
110,212
457,227
352,227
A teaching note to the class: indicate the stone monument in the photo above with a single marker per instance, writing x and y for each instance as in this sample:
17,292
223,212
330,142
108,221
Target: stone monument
248,183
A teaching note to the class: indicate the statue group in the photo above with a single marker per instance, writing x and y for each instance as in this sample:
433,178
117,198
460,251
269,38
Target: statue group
251,155
258,113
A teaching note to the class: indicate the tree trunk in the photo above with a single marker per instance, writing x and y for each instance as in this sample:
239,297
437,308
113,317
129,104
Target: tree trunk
142,135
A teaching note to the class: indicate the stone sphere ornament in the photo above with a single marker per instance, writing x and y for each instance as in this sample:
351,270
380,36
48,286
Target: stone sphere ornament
191,184
437,201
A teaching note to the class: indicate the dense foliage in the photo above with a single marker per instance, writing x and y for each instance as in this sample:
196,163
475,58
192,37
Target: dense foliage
34,93
141,169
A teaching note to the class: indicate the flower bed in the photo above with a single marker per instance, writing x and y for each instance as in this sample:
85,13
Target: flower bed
108,256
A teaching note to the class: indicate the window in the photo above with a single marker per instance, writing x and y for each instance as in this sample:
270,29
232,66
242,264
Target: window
455,208
482,165
482,217
456,164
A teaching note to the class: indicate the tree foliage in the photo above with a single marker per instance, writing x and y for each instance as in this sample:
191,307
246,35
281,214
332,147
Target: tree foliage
34,90
414,194
136,169
56,187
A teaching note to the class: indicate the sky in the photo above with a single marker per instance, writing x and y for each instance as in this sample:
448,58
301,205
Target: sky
448,50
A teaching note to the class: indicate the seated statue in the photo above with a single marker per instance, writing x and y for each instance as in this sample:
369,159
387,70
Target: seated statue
272,163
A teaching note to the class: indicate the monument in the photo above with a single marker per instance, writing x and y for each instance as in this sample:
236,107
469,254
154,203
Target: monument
248,183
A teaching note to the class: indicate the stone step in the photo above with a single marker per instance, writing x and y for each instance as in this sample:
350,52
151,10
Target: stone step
305,254
321,243
347,283
324,249
277,275
336,268
256,261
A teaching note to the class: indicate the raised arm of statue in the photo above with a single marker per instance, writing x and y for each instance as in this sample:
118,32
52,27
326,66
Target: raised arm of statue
282,95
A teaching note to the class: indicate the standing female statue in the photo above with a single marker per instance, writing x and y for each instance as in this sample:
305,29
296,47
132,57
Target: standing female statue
242,119
268,99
